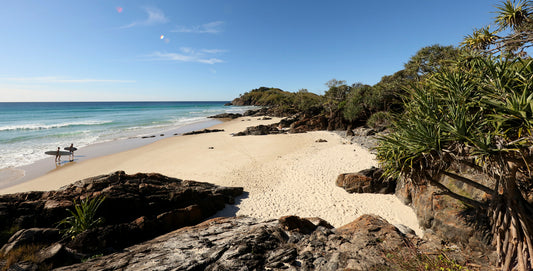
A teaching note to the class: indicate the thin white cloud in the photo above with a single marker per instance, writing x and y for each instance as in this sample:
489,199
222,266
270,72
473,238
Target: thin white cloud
155,16
189,55
53,79
210,28
212,51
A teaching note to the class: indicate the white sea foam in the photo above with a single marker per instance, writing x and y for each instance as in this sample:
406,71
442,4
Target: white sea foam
39,126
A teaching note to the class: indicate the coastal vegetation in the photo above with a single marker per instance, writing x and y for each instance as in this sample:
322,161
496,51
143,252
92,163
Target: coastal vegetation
83,217
356,103
453,112
477,117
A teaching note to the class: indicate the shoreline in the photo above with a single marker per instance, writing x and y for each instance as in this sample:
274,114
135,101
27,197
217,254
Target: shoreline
283,174
12,176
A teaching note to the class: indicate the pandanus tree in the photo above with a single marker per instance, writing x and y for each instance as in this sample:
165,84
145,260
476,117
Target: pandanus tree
479,116
513,33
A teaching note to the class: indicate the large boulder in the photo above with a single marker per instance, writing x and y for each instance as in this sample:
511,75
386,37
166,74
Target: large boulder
245,243
367,181
308,123
449,219
260,130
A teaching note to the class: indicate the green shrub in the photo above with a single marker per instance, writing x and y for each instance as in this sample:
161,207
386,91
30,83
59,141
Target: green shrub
83,217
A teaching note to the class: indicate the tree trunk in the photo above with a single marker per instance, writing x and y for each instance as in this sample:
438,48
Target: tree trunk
512,226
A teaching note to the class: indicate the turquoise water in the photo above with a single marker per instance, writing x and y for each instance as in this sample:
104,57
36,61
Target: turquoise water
27,130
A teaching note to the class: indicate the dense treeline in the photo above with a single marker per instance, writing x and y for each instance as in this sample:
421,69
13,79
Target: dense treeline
357,104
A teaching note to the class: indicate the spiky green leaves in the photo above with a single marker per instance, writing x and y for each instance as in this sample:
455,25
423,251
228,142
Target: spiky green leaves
511,14
83,217
476,112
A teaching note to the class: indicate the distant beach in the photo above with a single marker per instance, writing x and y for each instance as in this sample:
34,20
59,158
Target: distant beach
288,174
27,130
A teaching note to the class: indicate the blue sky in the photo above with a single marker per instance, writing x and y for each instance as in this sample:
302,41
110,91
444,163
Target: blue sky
212,49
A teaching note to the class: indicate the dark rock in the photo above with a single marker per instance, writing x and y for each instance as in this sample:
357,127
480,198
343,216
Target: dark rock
150,136
57,255
226,116
319,222
321,140
260,130
31,236
295,223
286,122
245,243
309,123
256,112
228,104
136,208
367,181
349,132
204,131
447,218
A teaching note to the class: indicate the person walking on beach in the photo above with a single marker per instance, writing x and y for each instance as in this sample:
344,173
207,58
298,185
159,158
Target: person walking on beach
71,151
58,155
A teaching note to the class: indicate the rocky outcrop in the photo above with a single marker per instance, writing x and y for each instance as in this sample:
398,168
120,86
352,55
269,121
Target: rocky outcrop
260,130
226,116
136,208
204,131
367,181
309,123
447,218
245,243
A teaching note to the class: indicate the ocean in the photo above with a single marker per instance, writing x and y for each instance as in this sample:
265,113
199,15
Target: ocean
27,130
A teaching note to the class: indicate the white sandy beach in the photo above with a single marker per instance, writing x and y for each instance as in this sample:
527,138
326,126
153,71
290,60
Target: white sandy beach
288,174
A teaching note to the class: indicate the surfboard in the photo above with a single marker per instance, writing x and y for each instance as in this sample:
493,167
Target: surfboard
68,148
55,152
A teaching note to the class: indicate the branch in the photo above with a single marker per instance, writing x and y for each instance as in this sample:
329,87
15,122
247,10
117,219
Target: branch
518,40
469,182
479,169
447,191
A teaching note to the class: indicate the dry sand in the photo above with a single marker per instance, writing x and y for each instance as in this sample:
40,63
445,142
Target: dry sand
287,174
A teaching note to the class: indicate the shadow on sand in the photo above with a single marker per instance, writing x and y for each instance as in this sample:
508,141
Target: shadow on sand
231,209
